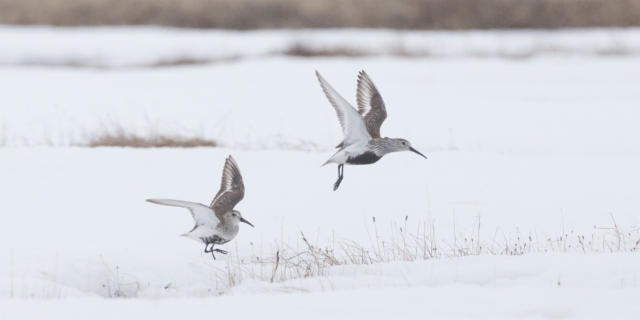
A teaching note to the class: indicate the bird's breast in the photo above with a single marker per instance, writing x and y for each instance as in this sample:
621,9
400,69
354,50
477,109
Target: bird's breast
367,157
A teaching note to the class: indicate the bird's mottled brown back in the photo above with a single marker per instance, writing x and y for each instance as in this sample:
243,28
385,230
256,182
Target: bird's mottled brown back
231,190
370,104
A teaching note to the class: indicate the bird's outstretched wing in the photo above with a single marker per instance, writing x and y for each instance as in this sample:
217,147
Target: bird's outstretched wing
352,123
370,104
231,189
202,214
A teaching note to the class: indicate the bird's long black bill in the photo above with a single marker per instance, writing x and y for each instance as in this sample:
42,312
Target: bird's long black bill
416,151
245,221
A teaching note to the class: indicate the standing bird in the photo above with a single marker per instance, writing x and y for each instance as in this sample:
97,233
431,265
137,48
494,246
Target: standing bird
362,143
218,223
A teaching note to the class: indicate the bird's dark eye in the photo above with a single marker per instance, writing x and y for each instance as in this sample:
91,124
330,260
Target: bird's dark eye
403,143
233,214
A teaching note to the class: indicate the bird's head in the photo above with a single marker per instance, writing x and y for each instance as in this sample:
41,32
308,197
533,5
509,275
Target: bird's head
235,217
402,145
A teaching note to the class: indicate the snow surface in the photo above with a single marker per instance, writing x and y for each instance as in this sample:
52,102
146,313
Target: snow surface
147,46
550,105
80,228
528,287
542,147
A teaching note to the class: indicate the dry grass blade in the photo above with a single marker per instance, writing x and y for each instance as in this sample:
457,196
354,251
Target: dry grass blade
275,269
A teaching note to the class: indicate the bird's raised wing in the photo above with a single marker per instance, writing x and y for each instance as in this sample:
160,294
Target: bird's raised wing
370,104
202,214
231,189
353,126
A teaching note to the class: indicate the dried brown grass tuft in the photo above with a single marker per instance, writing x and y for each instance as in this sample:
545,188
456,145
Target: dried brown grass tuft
302,50
122,139
187,61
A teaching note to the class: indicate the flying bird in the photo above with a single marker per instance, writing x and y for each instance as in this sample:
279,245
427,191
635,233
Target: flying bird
362,143
218,223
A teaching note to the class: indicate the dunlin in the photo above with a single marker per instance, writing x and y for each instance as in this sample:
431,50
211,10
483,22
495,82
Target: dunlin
218,223
362,143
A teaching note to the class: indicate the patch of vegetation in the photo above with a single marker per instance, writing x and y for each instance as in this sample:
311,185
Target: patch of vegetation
122,139
304,258
302,50
270,14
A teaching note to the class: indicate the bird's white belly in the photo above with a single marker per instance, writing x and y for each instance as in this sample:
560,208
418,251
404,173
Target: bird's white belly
200,233
352,150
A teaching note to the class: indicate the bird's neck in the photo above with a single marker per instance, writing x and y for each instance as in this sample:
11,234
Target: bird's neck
380,146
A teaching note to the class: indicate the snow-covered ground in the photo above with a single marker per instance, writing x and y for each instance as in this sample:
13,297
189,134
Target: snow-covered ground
537,151
547,105
550,286
119,47
77,226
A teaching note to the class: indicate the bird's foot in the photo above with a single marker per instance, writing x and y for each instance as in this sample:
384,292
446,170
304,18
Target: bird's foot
221,251
337,184
216,250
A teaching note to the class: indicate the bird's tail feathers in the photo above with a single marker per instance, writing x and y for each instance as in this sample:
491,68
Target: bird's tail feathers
332,159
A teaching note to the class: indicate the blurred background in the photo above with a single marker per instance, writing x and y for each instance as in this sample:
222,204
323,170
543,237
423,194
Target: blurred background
108,35
269,14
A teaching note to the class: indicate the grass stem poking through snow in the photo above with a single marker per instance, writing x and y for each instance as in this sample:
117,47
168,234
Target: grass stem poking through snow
287,263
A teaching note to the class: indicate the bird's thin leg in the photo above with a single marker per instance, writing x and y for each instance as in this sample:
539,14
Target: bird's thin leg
340,175
209,250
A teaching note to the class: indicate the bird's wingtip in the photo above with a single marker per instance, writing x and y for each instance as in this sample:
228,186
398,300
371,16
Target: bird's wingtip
155,201
231,162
